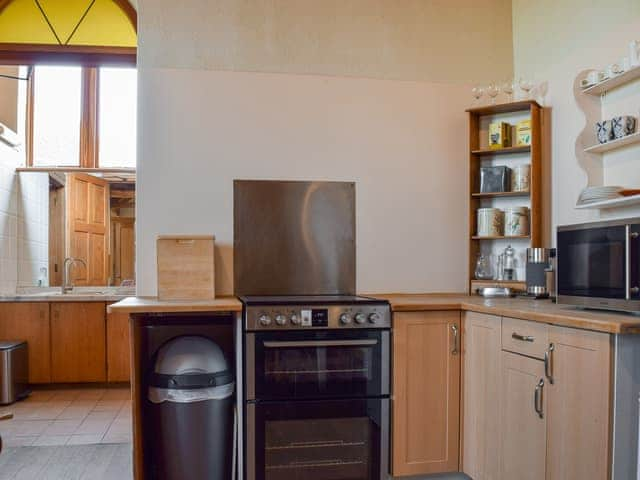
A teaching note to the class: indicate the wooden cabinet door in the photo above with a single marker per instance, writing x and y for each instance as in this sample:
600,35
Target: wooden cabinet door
118,351
426,392
523,429
78,342
88,228
123,248
30,322
481,392
579,405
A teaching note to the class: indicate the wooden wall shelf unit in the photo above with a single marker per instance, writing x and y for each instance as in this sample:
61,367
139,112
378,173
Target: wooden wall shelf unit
479,155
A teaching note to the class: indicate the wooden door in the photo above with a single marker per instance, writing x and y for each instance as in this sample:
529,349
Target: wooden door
523,429
88,228
481,392
426,392
123,242
118,351
78,342
30,322
579,405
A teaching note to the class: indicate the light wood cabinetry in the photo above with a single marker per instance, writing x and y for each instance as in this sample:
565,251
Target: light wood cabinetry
426,392
525,337
78,342
481,388
523,418
579,405
30,322
118,354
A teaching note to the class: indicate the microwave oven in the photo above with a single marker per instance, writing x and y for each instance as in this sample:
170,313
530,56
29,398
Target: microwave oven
599,265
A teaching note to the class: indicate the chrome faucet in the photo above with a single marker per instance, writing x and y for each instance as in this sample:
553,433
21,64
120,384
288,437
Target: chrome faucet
67,283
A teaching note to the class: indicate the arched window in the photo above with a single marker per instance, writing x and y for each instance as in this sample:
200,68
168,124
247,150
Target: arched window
81,31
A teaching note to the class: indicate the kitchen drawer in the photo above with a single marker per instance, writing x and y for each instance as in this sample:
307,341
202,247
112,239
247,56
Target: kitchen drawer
525,337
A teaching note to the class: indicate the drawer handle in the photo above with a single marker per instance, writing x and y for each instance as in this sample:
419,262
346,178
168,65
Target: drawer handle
522,338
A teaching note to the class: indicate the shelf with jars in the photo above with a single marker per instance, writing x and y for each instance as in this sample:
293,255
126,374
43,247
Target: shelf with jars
505,191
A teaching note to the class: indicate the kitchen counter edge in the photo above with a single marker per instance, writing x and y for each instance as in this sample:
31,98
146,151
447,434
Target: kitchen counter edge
154,305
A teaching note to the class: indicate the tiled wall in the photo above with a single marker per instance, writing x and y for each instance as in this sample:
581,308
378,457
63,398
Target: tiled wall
9,160
33,229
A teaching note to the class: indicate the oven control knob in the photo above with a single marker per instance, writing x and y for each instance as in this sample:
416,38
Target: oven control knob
374,317
281,319
295,320
265,320
345,319
634,290
360,318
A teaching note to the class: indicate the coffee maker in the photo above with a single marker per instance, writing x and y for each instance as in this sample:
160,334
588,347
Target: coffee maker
539,269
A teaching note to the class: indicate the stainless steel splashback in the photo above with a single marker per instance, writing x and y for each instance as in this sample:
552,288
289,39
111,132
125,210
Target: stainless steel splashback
294,238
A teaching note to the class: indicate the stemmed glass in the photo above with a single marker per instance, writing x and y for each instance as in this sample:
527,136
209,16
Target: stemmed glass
525,86
493,90
477,93
507,89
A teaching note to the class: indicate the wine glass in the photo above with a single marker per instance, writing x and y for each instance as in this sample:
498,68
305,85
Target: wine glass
493,90
525,86
477,93
507,89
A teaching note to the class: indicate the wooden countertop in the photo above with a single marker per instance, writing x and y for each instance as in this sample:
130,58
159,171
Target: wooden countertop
536,310
153,305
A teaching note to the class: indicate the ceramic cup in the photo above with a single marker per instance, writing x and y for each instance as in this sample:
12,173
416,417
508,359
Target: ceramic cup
613,70
604,131
623,126
594,77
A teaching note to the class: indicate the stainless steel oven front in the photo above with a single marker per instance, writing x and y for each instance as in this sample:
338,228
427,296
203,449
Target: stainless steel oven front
599,265
317,404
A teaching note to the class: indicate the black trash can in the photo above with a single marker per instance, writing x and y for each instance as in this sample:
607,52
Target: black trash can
191,390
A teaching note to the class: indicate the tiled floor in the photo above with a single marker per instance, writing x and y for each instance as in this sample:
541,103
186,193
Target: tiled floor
69,417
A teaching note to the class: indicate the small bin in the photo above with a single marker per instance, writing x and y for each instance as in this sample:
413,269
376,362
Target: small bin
14,371
191,391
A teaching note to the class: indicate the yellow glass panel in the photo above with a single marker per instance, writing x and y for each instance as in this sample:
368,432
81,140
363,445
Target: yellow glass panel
64,15
22,22
105,24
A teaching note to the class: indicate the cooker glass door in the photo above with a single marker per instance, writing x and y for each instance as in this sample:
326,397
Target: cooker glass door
592,262
318,440
318,364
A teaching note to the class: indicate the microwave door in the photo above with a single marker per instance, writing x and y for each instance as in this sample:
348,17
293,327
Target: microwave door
593,262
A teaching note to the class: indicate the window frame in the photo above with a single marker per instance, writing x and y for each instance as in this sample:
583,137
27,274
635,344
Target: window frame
89,119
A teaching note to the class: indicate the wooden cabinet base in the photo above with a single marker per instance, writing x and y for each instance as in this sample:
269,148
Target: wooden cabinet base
78,342
426,392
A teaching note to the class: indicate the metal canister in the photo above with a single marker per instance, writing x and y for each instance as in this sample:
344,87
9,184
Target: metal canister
521,178
490,222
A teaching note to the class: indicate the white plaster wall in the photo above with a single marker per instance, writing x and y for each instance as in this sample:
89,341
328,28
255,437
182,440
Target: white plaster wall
403,143
554,41
371,91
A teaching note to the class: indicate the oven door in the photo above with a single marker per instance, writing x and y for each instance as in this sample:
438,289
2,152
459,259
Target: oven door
592,263
318,440
317,364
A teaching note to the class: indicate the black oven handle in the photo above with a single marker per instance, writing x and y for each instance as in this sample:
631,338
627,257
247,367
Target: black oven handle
320,343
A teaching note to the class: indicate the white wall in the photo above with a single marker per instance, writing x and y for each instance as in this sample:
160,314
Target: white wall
555,41
367,91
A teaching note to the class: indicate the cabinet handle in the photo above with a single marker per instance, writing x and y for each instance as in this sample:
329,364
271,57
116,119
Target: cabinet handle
522,338
455,349
548,363
538,398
